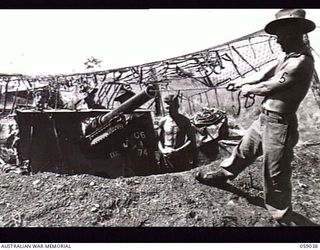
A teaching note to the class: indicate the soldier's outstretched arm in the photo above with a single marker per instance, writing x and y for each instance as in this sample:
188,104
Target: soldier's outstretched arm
294,71
255,78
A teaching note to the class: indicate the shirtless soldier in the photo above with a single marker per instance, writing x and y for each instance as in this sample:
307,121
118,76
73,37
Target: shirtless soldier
176,137
274,134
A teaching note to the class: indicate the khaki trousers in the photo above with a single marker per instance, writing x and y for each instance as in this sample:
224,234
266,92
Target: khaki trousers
176,162
273,136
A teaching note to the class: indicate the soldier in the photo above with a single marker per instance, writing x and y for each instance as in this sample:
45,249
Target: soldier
274,134
176,137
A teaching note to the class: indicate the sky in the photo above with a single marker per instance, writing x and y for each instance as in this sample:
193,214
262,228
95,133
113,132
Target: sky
41,42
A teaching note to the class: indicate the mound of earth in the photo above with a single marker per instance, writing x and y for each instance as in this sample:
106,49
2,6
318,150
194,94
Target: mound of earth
175,199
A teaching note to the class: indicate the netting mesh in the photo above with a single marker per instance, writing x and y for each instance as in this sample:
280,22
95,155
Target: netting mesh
220,64
196,76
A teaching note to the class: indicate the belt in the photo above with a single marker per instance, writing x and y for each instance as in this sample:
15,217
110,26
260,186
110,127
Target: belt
282,115
267,112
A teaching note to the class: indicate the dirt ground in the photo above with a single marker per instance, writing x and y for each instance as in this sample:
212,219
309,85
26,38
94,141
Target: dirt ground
167,200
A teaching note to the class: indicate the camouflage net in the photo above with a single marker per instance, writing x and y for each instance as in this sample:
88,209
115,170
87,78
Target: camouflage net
197,76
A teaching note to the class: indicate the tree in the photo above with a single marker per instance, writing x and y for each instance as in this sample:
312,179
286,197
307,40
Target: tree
92,63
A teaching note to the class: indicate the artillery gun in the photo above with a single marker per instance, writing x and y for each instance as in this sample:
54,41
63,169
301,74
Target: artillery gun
119,142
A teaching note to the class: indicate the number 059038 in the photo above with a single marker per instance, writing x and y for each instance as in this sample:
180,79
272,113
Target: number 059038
308,246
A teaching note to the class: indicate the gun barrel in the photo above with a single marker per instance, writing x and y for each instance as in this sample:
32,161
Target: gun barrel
131,104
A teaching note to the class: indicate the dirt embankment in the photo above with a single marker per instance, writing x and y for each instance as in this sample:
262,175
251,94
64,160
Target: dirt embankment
176,199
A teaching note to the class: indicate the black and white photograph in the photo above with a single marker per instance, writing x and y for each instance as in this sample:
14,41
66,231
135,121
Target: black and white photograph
204,118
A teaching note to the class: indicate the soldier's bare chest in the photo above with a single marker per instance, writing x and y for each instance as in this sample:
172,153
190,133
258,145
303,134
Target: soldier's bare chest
171,127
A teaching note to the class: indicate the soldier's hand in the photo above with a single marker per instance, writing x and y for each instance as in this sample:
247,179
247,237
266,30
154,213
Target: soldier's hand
167,151
233,86
245,89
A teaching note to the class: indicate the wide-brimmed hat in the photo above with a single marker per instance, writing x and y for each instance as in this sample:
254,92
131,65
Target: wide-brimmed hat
294,17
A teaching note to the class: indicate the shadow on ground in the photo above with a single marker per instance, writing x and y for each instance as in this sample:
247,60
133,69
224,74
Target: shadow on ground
296,218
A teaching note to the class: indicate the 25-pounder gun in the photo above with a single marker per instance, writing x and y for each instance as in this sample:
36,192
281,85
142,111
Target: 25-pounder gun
104,125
